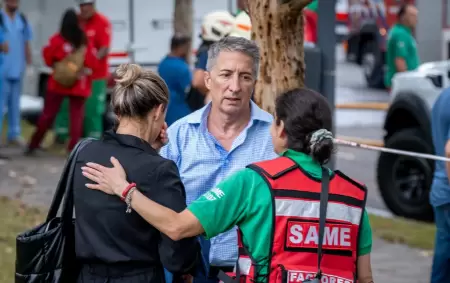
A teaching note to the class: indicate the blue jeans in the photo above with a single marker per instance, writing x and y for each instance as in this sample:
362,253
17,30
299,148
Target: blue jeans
10,99
200,277
440,272
206,246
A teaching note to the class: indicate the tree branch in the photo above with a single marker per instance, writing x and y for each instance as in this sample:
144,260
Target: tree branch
292,6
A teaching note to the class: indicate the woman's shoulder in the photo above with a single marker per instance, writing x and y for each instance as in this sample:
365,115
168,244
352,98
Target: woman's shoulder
132,159
57,39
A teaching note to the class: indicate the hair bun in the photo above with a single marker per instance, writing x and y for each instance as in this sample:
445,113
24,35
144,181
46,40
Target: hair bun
127,74
321,145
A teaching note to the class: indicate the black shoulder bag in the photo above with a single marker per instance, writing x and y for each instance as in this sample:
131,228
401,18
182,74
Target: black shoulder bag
322,222
46,253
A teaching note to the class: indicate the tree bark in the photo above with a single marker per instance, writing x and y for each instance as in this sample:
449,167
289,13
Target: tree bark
182,19
277,28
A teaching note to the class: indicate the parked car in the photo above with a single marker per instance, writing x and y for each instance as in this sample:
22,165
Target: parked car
404,181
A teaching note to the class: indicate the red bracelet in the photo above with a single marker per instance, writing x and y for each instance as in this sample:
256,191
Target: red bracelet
127,189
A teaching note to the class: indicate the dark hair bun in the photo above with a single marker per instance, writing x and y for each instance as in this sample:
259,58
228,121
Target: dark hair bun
322,150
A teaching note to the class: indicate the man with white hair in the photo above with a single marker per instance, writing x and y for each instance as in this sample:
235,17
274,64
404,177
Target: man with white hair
224,136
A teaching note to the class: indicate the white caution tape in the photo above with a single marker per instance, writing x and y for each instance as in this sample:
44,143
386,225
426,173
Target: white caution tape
390,150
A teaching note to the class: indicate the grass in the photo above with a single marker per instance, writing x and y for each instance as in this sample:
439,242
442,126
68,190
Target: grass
15,218
27,132
399,230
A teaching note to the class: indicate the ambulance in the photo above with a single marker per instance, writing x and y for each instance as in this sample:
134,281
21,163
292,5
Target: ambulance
141,32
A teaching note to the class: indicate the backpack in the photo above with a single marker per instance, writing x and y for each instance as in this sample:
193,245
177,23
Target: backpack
66,71
22,17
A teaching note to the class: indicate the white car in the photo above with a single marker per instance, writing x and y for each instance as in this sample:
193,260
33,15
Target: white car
404,181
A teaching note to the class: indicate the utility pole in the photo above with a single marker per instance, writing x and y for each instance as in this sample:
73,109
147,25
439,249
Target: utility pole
183,19
326,42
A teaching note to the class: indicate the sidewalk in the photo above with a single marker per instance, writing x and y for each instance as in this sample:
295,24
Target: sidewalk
395,263
37,179
370,132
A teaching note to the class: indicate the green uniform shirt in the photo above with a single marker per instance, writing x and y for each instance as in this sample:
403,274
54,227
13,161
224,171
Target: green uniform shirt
401,43
244,199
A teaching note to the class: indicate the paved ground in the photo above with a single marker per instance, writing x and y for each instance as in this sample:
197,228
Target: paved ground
360,163
395,263
34,180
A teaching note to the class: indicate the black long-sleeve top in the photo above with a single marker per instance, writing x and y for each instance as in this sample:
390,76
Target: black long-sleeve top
104,233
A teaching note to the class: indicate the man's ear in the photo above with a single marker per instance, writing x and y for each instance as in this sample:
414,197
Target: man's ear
208,80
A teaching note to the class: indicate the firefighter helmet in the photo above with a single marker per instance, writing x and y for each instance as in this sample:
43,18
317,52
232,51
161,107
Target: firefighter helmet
217,25
81,2
242,26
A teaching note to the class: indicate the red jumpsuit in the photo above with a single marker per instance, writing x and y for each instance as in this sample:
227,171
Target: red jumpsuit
56,50
310,26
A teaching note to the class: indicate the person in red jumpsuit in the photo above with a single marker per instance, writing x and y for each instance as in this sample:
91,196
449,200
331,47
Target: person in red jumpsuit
311,18
61,44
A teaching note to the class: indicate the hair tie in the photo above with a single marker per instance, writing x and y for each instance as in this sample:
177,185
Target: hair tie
318,136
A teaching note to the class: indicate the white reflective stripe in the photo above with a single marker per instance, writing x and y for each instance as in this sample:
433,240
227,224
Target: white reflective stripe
311,209
245,264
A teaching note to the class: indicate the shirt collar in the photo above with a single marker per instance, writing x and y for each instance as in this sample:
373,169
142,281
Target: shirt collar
306,162
5,13
91,19
129,140
300,157
407,29
256,113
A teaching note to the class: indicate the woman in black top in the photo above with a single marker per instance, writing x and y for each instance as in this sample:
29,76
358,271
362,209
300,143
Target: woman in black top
114,246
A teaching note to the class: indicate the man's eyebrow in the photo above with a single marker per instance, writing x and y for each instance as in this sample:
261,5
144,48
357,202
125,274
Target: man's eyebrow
241,73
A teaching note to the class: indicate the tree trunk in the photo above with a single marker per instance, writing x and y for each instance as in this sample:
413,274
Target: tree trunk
277,28
182,19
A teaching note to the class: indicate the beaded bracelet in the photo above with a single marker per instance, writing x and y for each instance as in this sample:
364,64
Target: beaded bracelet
128,199
126,190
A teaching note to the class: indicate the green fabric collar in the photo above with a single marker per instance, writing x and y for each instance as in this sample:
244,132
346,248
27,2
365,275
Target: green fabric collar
405,28
305,161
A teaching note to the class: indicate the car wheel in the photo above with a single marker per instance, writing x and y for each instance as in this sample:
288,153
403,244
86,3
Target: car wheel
405,181
372,65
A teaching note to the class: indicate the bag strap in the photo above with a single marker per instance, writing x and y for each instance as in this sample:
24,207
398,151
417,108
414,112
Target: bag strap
65,182
24,18
68,206
323,217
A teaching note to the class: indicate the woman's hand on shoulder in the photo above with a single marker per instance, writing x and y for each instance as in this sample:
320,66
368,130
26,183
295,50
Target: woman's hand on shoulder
108,180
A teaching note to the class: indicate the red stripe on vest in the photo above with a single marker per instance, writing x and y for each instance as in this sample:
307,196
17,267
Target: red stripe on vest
295,231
